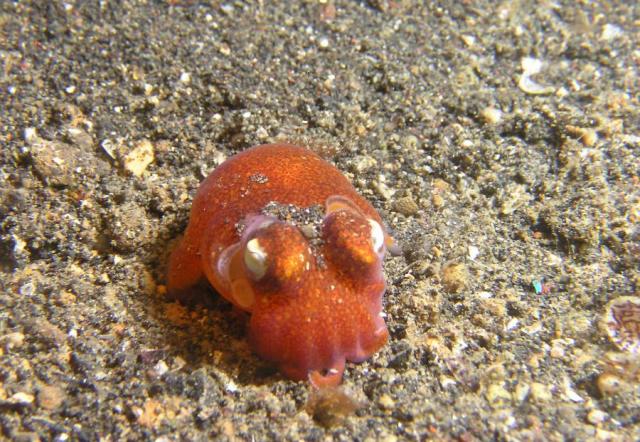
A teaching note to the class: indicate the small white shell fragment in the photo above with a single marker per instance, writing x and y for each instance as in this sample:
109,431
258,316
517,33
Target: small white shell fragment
231,387
621,322
185,78
521,391
469,40
474,252
383,190
512,197
557,351
22,398
491,115
534,328
512,324
527,85
532,66
541,392
11,340
553,260
160,368
611,32
446,381
569,392
139,158
261,133
323,42
108,148
596,416
30,135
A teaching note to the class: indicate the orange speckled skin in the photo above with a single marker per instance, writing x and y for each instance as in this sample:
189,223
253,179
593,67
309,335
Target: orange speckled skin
315,307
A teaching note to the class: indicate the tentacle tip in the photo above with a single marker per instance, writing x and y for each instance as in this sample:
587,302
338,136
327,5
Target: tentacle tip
326,379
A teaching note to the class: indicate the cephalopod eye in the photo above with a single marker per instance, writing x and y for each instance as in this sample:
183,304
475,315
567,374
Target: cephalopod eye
377,236
275,256
255,259
352,243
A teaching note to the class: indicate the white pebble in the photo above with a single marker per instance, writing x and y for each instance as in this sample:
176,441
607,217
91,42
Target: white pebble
160,368
596,416
611,32
530,66
22,398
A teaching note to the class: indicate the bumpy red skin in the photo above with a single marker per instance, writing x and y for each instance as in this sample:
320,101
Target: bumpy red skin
330,313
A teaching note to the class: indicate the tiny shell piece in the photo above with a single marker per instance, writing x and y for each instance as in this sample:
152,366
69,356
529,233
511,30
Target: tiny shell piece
139,158
532,66
621,322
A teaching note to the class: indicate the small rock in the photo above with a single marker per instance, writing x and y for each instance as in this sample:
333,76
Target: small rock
12,340
569,392
596,417
437,201
51,397
130,227
532,66
455,277
56,163
323,42
497,396
22,398
66,298
557,351
330,406
587,136
410,142
491,115
512,198
309,231
262,134
540,392
621,322
48,332
604,435
611,32
441,185
362,163
609,384
521,392
383,190
22,436
185,78
80,139
139,158
406,206
160,368
386,401
474,252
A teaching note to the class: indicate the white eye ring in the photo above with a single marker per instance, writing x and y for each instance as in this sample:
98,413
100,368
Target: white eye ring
377,236
255,258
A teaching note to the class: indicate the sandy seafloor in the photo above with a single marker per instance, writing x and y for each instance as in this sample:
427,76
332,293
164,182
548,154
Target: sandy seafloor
499,141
